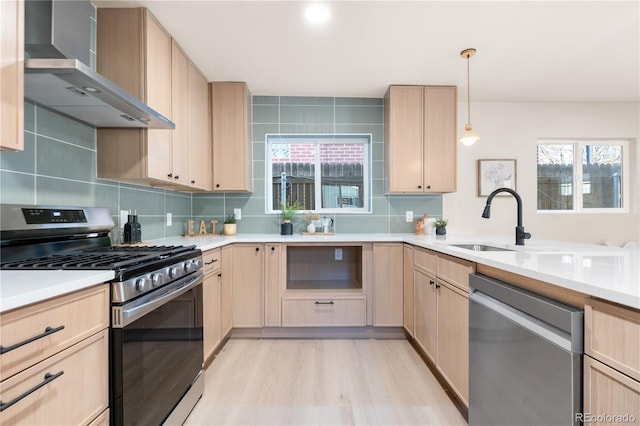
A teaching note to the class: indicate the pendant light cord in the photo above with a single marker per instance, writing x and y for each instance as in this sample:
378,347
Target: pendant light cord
468,93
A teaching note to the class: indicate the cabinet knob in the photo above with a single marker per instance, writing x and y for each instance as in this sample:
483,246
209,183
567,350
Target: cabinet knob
192,182
273,248
257,248
428,186
217,185
431,282
170,175
419,186
437,285
219,275
177,177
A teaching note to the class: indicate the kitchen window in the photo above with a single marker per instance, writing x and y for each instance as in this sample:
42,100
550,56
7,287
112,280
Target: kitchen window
323,173
583,175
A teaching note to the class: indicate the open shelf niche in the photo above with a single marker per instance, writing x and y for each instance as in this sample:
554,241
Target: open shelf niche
318,268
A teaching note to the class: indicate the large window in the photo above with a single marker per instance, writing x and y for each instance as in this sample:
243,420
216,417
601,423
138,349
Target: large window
323,173
583,175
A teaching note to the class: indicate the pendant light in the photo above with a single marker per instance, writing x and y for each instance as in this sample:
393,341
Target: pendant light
469,137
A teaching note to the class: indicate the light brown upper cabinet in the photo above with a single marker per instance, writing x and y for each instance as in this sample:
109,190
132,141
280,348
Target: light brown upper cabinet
200,173
12,75
135,52
231,126
420,145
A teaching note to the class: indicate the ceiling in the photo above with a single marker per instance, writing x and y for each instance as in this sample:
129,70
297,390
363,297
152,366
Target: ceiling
536,51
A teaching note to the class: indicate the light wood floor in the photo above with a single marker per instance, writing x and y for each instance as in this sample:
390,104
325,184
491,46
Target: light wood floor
321,382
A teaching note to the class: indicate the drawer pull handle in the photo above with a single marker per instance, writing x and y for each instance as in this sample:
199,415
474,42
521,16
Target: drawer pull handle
47,331
212,262
48,378
324,303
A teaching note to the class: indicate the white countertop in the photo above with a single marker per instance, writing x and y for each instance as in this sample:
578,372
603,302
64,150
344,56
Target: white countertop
609,273
21,288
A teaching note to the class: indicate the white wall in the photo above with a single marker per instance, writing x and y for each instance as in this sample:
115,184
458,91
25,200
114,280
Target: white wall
511,130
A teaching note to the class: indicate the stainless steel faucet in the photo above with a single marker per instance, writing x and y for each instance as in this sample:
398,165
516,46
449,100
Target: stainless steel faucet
520,234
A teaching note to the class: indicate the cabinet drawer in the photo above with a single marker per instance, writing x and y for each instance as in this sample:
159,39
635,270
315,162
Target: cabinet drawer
81,314
612,335
455,271
211,260
323,311
609,393
77,396
424,259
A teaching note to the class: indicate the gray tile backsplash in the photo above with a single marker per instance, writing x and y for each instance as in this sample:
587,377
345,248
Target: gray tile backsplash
313,115
58,166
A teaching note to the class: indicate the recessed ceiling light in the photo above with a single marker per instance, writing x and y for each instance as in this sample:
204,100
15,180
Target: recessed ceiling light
317,13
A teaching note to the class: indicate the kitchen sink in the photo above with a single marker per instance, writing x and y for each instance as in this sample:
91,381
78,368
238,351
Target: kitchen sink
479,247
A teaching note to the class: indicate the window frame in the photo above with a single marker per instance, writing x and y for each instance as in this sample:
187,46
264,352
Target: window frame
365,139
578,182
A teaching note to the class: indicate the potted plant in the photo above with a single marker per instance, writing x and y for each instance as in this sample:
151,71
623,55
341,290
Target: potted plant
230,227
288,211
441,226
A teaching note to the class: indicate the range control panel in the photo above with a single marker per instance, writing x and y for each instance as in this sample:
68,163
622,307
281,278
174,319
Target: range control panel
36,216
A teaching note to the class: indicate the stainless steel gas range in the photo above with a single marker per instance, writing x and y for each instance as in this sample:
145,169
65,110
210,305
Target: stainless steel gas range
156,348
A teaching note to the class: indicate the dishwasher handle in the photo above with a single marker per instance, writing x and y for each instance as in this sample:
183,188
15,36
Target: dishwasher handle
547,331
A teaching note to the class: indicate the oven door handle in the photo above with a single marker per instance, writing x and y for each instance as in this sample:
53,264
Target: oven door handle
128,313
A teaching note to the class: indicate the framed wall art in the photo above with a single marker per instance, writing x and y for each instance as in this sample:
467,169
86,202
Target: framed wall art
494,174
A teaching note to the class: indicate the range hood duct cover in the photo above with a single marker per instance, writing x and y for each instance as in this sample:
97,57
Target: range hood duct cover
57,46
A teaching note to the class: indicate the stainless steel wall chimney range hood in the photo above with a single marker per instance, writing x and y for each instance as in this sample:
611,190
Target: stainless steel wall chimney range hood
57,46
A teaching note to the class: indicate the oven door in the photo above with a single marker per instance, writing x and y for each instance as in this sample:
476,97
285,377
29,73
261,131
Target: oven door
156,352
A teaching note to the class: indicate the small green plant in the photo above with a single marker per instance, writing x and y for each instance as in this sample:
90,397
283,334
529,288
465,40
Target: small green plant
230,219
441,223
289,210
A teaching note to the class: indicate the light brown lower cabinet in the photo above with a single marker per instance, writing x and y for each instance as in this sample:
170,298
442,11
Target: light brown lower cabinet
274,265
425,312
74,391
324,310
453,337
611,364
226,290
388,291
408,287
248,279
211,291
610,397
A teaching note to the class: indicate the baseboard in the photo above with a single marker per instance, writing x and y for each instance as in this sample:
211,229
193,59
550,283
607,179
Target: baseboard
318,333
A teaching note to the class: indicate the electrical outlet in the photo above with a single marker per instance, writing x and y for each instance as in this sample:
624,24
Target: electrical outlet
169,219
338,254
237,213
123,217
408,216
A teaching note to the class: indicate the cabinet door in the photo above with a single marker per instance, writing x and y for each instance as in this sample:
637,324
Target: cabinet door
180,115
387,285
453,337
609,393
12,75
226,291
408,285
440,139
248,270
425,312
274,277
231,124
403,110
211,313
200,173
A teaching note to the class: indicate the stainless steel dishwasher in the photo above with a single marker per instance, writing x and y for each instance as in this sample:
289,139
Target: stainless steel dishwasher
525,357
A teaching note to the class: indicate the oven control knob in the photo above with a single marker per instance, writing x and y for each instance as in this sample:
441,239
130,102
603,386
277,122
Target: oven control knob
174,272
156,280
198,263
143,284
190,266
